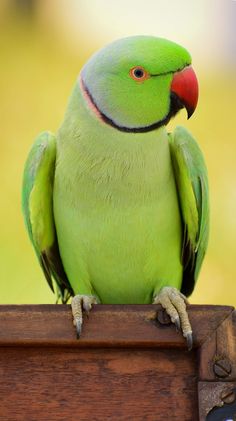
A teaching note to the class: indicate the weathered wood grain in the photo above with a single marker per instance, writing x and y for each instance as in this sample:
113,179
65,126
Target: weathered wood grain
104,384
125,366
107,325
219,349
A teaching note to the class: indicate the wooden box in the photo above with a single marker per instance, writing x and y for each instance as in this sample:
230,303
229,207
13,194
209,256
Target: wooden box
127,365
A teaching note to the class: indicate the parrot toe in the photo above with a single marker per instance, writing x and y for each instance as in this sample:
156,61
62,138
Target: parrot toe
177,323
78,304
174,302
189,339
78,328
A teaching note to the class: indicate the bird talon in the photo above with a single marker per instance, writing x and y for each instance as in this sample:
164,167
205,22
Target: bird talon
173,301
78,325
189,339
78,304
177,324
86,307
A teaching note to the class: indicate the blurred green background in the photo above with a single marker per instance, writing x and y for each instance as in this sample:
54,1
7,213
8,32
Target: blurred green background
43,46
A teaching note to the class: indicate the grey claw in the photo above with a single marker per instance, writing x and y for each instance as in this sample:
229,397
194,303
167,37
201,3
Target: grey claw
177,323
189,339
78,328
87,310
87,307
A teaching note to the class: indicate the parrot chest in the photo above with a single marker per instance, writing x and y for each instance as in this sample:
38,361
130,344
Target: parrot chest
118,222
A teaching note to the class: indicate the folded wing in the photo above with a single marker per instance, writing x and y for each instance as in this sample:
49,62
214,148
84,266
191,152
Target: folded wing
192,186
37,201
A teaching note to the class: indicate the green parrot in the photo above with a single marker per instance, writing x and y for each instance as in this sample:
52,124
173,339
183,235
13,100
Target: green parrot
116,207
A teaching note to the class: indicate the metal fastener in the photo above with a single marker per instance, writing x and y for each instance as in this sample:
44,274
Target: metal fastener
222,367
163,318
228,396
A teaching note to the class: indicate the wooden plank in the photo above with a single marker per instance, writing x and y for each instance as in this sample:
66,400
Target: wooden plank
226,349
218,353
97,384
127,364
217,372
106,326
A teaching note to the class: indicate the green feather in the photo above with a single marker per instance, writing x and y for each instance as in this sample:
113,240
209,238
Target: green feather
192,184
37,202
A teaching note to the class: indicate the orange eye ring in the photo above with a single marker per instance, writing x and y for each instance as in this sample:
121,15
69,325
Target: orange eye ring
139,74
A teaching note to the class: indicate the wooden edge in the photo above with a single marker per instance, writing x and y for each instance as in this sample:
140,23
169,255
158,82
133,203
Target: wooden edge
214,394
106,326
217,367
217,355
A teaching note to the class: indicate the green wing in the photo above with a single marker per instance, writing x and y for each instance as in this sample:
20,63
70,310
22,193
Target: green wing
37,201
192,185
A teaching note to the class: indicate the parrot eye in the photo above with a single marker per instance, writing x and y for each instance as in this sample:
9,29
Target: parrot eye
139,74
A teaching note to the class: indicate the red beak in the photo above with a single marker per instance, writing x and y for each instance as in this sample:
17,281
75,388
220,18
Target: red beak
185,86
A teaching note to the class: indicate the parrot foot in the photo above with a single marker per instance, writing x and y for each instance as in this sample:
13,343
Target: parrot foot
78,304
174,302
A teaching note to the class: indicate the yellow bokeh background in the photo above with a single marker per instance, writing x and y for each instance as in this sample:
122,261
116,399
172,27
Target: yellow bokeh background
43,46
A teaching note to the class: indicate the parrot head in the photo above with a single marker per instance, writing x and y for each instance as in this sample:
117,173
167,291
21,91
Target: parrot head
138,83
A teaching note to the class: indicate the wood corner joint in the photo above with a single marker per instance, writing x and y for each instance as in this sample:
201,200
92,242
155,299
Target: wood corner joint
217,367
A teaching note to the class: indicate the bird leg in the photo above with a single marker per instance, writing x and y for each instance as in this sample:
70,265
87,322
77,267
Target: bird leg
174,302
78,304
